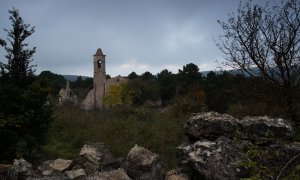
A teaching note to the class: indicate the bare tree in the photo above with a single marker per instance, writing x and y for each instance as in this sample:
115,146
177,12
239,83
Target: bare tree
264,41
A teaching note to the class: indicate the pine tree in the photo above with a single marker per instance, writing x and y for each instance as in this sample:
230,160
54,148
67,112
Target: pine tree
24,117
18,57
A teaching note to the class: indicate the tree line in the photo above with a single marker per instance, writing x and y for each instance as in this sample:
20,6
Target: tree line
189,91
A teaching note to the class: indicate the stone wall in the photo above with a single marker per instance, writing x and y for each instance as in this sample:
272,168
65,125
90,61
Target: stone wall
218,147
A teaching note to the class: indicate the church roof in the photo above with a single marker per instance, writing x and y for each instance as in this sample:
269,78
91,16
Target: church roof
99,52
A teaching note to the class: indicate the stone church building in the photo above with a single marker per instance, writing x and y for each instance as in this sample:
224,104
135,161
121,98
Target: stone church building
66,95
94,98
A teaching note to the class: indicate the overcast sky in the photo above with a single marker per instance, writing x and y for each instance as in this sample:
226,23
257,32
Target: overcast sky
135,35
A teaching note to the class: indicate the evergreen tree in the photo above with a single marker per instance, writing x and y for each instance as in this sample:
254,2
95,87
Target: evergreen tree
18,66
188,78
24,117
132,75
166,80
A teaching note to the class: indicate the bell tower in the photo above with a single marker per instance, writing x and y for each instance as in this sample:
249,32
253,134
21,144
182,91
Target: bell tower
99,62
99,78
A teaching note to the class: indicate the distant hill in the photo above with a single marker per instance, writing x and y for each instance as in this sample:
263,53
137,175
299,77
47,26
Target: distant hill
204,73
74,77
233,72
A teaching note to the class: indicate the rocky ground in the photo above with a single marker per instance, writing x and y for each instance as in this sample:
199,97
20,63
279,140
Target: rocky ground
218,147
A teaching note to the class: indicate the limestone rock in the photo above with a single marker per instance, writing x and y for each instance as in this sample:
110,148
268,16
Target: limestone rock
177,174
262,129
118,174
210,125
54,166
216,160
21,169
92,158
61,165
76,174
143,164
260,139
45,168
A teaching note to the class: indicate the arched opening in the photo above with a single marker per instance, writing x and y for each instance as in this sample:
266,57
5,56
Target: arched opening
99,63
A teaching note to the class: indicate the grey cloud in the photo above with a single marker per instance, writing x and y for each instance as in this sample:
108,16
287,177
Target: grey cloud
135,35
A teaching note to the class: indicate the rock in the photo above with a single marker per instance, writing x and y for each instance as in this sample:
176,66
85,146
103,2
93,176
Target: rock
214,159
20,169
143,164
54,166
261,129
61,165
113,164
76,174
118,174
92,157
45,168
227,148
210,125
177,174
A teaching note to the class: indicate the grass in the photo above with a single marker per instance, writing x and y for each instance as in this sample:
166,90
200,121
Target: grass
155,129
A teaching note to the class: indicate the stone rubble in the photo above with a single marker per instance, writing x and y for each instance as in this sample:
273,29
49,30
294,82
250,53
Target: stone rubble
92,157
21,169
143,164
218,147
94,162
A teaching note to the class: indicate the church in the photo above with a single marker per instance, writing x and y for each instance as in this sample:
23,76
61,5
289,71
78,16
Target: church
96,94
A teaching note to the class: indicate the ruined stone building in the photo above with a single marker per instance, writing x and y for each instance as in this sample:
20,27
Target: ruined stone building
66,95
94,98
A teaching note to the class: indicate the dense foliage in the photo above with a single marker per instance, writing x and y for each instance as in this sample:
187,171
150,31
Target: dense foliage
190,91
24,115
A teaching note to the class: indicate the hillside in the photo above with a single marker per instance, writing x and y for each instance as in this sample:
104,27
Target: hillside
74,77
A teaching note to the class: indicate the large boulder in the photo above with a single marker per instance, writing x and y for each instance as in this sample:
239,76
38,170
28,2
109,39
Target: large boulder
92,158
21,169
261,129
143,164
210,125
118,174
222,147
216,160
